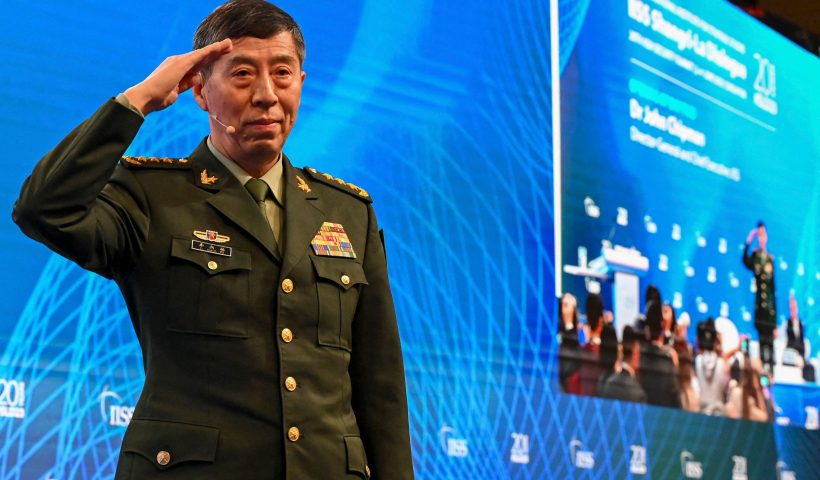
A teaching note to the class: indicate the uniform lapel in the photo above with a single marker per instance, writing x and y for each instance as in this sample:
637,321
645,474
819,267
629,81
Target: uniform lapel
231,198
303,217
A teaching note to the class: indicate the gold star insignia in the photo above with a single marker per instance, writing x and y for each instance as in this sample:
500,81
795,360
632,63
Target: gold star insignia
205,179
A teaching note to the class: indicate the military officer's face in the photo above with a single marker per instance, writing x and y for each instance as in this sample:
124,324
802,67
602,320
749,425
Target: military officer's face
255,88
762,236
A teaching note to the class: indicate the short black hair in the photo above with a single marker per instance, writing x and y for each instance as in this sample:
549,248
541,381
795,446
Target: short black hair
595,310
609,346
707,335
653,319
248,18
761,224
628,339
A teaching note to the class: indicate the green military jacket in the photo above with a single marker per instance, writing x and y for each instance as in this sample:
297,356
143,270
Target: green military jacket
762,265
258,365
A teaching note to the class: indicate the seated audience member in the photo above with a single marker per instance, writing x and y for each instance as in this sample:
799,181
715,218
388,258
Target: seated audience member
795,339
668,324
608,354
794,329
689,395
658,373
623,384
710,370
590,368
568,351
746,399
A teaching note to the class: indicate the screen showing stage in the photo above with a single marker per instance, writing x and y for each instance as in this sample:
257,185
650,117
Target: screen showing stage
682,125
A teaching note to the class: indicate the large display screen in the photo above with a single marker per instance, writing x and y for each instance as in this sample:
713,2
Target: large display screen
683,126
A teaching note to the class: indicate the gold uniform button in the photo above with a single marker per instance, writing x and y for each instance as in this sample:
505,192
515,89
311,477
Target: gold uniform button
287,335
763,294
290,384
345,280
287,285
163,458
293,434
212,265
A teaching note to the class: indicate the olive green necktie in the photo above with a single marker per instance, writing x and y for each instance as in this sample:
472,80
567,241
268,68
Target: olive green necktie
260,190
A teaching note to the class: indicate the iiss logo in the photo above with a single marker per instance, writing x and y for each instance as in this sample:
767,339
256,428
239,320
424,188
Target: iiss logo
583,459
688,465
12,398
453,447
113,412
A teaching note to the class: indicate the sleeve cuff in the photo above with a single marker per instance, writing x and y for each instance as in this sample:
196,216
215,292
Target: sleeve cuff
123,100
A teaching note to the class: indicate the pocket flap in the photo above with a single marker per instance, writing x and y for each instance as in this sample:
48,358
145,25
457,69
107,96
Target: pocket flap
343,272
166,444
356,457
212,258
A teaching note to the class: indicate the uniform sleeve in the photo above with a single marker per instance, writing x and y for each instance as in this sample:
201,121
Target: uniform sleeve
377,370
748,258
75,203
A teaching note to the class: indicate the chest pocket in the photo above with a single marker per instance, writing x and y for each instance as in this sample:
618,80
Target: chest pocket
209,292
338,283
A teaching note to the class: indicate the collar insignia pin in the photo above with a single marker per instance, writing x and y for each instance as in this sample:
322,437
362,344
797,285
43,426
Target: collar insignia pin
303,186
205,179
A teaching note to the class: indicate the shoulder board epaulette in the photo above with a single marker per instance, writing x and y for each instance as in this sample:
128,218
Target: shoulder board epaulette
339,184
156,162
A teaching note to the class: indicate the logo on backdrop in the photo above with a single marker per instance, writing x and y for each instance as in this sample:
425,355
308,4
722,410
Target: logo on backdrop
739,470
765,85
581,458
688,465
637,464
113,412
520,451
812,418
12,398
452,445
783,472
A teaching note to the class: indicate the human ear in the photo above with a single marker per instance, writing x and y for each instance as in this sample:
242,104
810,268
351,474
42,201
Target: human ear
199,91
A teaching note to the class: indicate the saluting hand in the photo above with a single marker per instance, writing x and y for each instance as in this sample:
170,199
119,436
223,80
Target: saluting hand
751,236
173,76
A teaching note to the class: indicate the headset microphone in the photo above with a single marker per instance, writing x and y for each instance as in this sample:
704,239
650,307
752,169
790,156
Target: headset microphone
228,128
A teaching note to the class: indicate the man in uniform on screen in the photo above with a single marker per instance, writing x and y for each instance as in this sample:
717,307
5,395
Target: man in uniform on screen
761,263
258,291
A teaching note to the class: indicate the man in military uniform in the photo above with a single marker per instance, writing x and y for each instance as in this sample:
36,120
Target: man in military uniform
761,263
258,291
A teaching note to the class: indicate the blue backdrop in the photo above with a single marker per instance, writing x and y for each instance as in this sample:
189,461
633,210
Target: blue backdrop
442,111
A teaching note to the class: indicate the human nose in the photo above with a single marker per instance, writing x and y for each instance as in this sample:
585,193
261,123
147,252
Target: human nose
264,94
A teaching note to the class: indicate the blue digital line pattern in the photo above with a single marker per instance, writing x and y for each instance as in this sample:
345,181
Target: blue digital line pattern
442,111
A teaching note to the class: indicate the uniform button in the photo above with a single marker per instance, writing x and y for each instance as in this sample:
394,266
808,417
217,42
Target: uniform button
163,458
763,294
287,285
212,265
287,335
290,384
764,304
345,280
293,434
